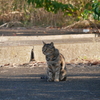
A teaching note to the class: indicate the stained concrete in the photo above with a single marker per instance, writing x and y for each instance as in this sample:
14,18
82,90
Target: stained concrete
15,54
44,37
20,51
72,51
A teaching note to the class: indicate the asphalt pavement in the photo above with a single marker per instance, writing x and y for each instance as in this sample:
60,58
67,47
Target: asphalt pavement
25,83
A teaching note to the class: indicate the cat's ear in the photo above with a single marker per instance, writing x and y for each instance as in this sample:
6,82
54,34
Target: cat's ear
43,42
52,43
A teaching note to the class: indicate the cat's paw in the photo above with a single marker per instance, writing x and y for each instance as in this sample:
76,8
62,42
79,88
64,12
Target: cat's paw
49,80
63,79
56,80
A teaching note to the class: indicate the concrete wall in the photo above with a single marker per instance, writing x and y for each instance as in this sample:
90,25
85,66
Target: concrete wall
22,54
15,54
72,51
48,37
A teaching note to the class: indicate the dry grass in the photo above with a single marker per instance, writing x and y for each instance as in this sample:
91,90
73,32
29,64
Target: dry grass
19,10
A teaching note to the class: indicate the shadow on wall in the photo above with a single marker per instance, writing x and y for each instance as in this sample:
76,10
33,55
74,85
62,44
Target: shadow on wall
32,55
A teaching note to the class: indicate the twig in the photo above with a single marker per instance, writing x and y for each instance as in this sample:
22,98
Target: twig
3,25
95,27
70,26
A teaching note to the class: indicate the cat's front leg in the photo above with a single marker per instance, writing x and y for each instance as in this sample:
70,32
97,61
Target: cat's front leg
50,75
57,74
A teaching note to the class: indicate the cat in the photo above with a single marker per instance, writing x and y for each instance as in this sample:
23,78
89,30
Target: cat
56,70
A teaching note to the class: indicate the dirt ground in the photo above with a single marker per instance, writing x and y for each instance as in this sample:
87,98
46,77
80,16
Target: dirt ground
23,82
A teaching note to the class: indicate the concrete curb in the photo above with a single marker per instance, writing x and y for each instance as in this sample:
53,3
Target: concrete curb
15,54
86,48
72,51
18,49
50,37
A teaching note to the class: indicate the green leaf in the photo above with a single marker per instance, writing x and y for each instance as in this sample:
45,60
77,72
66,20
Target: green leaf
85,13
96,17
88,6
97,10
29,1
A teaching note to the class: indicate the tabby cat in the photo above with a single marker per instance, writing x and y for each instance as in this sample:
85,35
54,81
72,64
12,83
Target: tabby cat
56,70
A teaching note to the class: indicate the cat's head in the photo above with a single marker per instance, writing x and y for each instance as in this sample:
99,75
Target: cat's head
48,48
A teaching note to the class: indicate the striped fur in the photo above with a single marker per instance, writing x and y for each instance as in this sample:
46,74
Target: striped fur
56,70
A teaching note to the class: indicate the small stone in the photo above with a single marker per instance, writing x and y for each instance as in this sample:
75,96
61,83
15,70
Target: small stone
15,65
7,64
1,66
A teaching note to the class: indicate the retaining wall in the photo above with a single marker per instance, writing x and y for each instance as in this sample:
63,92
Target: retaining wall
21,51
73,51
15,54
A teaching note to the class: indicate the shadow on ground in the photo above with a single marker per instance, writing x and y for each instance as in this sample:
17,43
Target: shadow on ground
31,87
